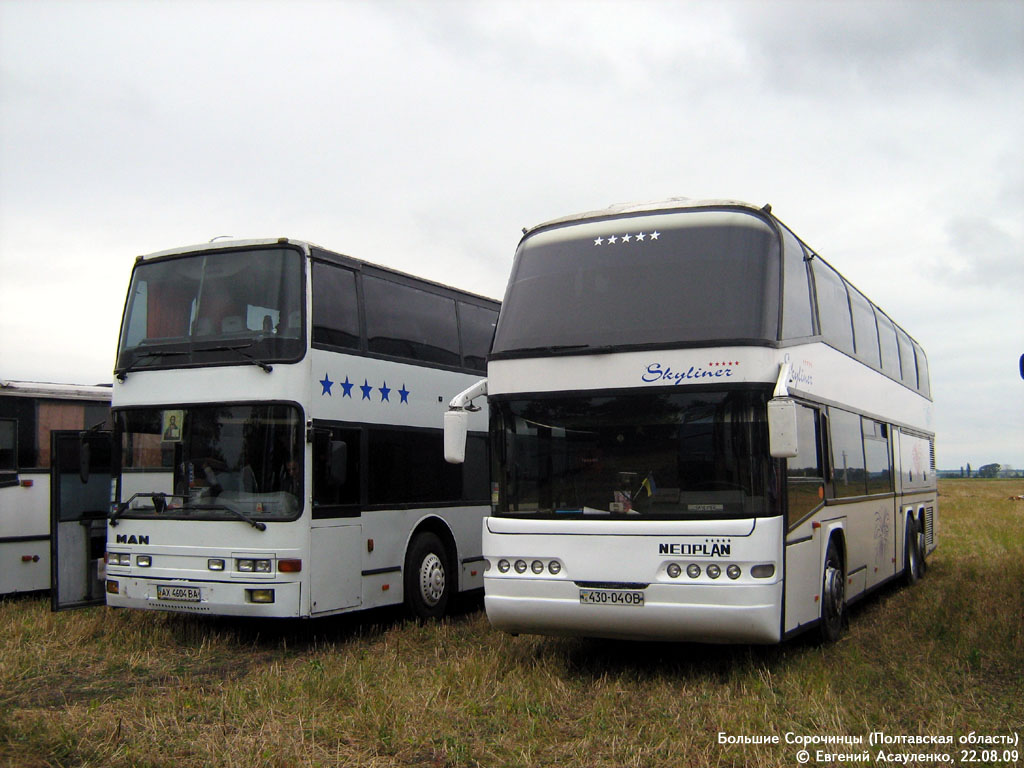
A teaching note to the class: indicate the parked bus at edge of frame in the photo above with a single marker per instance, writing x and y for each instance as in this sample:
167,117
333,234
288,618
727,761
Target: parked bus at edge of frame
47,500
278,409
700,431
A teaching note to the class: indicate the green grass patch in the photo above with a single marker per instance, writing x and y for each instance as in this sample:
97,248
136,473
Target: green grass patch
100,687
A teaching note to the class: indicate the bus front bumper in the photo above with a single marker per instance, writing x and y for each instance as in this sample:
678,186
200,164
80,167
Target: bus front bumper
728,613
270,599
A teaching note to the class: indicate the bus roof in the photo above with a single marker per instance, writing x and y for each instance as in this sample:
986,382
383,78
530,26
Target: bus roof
307,248
54,390
657,206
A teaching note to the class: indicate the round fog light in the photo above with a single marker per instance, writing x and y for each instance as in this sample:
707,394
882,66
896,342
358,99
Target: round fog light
537,566
554,567
520,566
693,571
714,571
733,571
504,565
674,570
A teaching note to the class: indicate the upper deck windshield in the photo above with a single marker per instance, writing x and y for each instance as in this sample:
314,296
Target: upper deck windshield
637,456
232,306
643,281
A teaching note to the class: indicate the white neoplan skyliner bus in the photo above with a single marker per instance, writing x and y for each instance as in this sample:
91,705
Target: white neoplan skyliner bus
278,413
700,431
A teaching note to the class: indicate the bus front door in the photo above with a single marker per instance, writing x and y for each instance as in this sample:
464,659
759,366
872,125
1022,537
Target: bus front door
79,501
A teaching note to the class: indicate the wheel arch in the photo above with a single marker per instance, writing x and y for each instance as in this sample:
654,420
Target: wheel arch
438,527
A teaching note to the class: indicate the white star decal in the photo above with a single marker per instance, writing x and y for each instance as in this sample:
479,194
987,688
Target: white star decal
655,235
626,238
599,241
612,239
641,237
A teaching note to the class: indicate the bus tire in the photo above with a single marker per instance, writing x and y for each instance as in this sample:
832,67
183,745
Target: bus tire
913,552
833,595
428,579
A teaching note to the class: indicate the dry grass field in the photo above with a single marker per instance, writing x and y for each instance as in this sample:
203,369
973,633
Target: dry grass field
944,658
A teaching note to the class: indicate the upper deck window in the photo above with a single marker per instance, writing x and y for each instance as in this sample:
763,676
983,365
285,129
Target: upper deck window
666,279
214,307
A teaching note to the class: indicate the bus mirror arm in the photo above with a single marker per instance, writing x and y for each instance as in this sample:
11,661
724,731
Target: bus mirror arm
456,422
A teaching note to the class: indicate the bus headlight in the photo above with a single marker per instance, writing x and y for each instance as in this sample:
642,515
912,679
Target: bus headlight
254,566
503,566
554,567
733,571
520,566
693,571
537,567
143,561
714,571
674,570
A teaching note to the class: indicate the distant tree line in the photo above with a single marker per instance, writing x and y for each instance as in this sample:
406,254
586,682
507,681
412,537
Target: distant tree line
987,471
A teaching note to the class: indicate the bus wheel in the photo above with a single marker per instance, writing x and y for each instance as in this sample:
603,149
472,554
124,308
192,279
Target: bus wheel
427,582
913,552
833,595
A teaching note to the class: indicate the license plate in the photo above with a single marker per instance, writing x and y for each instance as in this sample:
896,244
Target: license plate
188,594
628,597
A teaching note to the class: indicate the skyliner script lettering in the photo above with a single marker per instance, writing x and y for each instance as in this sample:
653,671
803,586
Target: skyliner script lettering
656,372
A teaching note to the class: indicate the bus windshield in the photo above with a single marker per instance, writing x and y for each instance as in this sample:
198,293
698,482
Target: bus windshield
636,456
661,280
238,306
212,462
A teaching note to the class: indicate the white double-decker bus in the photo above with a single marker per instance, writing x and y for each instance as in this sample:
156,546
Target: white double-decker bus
277,413
700,431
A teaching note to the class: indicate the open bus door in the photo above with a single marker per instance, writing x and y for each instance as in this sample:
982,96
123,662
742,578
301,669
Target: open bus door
79,501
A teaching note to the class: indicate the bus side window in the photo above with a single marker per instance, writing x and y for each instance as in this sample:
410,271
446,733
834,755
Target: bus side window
334,485
8,452
848,473
805,481
833,307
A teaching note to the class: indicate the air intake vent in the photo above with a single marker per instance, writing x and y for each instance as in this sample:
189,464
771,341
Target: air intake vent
929,526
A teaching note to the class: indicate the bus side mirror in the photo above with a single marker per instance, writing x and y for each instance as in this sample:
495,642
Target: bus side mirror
338,461
456,427
782,429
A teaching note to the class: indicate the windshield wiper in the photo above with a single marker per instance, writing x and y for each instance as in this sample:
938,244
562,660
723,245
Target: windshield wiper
237,513
122,373
160,504
239,348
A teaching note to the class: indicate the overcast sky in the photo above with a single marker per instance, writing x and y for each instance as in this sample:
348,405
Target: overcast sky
425,135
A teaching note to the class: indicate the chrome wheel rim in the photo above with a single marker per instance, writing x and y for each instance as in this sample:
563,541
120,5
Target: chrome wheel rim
432,579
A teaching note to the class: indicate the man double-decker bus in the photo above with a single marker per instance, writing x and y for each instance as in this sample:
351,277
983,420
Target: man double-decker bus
700,431
277,412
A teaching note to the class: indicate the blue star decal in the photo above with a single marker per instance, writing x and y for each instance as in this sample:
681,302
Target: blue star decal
326,383
366,388
404,393
385,393
347,385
